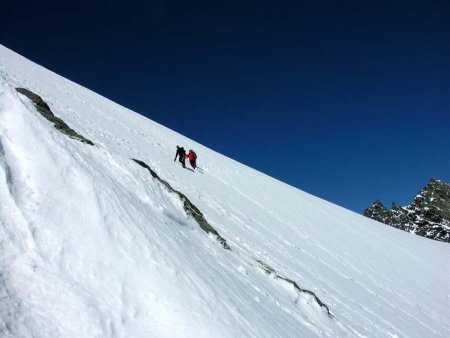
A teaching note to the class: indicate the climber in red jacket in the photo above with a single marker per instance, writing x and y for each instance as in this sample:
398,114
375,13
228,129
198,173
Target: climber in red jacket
192,157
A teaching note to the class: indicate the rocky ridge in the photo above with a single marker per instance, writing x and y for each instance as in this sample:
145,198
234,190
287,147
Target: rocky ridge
428,215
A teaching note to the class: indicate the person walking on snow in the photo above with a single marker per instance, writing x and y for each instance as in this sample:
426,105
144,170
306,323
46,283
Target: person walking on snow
181,153
192,157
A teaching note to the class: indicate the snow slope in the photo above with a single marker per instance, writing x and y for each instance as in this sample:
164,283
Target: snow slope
91,245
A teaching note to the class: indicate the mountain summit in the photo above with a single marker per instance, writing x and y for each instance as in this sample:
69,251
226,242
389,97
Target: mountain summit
428,215
102,234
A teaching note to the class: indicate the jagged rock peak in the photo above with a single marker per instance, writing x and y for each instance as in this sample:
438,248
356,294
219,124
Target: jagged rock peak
428,215
434,191
378,204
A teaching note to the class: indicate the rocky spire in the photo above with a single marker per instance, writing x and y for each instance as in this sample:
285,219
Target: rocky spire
428,215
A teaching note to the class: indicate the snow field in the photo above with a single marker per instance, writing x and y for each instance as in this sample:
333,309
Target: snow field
92,246
85,263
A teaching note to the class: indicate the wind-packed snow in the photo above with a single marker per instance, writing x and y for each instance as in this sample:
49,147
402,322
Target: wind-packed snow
92,246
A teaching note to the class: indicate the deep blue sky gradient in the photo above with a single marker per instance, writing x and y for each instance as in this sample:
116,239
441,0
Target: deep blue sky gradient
348,101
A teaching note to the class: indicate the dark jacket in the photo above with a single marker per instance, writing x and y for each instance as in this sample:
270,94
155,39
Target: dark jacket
180,152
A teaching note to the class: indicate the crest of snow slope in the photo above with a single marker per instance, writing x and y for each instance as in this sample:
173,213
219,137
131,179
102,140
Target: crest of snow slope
91,245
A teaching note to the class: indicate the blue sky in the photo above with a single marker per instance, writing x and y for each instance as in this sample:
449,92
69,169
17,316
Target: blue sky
349,101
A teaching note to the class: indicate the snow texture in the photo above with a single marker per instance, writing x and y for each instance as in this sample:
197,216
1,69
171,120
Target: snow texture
92,245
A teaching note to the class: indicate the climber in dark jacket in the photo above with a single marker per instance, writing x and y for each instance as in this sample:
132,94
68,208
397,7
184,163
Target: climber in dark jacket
181,153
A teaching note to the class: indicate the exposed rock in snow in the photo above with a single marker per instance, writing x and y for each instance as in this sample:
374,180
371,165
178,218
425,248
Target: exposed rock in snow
189,207
428,215
45,110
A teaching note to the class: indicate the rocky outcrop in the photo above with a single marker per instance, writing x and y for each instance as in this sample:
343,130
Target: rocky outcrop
271,271
428,215
43,108
188,206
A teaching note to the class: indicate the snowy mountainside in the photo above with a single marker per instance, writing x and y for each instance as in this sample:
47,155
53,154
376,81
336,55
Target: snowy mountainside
92,244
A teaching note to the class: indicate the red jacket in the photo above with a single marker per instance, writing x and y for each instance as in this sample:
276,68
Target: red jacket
191,156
